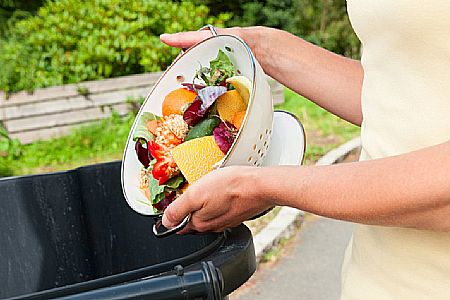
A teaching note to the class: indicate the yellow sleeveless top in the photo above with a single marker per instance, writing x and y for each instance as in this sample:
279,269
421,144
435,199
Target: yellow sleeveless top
406,106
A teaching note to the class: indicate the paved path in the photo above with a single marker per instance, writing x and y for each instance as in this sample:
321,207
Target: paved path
308,267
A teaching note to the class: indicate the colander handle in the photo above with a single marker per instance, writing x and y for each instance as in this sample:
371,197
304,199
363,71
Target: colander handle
261,214
206,27
158,225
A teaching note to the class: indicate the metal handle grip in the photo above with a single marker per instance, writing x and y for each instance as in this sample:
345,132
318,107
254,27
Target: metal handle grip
261,214
158,225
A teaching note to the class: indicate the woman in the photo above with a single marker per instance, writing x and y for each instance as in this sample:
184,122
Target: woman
400,190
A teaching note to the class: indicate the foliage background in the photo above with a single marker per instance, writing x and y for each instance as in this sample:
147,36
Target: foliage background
322,22
51,42
68,41
13,10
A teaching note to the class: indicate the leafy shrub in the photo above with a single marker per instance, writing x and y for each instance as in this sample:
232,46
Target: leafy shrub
322,22
273,13
69,41
13,10
326,23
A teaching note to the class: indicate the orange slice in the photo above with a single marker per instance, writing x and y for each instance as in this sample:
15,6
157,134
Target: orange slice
196,157
243,85
176,100
229,104
238,118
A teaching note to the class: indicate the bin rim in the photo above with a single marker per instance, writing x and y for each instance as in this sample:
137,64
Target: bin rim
54,173
127,276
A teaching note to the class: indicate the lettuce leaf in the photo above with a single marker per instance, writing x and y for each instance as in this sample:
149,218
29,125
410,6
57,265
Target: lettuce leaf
141,131
219,69
157,191
223,65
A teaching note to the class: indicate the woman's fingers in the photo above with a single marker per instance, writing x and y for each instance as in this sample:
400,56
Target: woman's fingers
179,209
175,213
190,38
184,39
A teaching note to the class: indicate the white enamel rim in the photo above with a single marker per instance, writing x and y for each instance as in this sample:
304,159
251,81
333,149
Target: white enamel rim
302,130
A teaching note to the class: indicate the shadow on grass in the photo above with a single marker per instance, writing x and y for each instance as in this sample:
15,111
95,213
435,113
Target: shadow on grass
5,170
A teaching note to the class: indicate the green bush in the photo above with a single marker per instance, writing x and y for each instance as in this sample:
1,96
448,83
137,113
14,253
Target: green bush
13,10
272,13
69,41
322,22
326,23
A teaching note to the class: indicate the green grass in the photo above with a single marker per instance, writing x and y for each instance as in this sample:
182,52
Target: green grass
105,141
324,131
99,142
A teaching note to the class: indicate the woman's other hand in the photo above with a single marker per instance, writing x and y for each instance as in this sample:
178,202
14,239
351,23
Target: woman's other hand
222,199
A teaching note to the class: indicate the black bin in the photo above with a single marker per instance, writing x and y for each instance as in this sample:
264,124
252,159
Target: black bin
72,235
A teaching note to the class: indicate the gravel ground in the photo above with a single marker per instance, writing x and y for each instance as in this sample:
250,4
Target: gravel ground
308,267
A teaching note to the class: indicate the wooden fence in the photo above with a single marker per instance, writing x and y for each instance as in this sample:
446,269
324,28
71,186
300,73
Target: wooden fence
54,111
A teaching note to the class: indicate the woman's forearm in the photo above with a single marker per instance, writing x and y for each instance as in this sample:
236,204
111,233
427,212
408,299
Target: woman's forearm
410,190
330,80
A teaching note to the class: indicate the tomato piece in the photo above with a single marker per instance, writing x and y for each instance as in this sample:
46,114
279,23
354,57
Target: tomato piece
165,165
161,172
156,150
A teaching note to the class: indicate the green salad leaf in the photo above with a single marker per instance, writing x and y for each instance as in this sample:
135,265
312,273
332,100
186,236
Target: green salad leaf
203,128
203,74
157,191
219,69
141,131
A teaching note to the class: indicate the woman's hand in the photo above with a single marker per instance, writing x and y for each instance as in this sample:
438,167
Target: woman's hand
251,35
189,38
222,199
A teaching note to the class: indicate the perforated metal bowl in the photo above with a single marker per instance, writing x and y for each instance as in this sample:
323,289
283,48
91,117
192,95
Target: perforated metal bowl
253,139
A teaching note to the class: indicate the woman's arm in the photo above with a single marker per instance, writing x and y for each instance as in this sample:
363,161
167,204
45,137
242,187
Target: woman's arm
330,80
410,190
